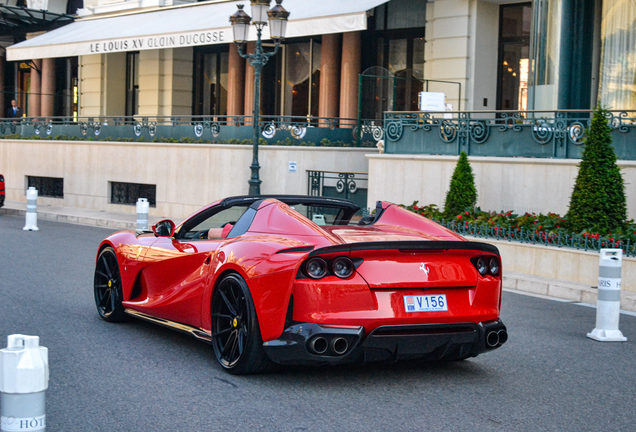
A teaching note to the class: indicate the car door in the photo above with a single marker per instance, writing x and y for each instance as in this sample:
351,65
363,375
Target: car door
178,269
176,274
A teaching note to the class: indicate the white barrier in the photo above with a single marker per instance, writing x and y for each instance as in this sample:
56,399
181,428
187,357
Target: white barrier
24,378
142,213
32,210
609,297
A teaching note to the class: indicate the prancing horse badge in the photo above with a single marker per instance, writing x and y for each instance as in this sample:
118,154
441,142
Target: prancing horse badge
424,268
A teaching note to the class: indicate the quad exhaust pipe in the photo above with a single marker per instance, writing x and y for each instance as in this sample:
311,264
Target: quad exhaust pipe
318,345
336,346
503,336
492,339
496,338
339,345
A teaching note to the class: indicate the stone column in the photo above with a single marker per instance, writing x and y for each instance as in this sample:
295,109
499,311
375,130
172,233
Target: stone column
349,76
236,83
249,84
48,87
36,90
329,76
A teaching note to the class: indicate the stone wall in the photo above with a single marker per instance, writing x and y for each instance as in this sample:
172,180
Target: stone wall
518,184
187,176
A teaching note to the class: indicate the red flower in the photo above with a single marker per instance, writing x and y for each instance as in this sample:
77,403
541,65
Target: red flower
466,212
459,216
539,226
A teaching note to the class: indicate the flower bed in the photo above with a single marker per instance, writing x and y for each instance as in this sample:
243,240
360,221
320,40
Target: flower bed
550,229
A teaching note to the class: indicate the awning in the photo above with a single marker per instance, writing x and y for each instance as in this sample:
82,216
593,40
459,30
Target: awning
17,21
190,25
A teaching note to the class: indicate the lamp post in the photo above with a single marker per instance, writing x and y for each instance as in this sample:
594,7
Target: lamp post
241,22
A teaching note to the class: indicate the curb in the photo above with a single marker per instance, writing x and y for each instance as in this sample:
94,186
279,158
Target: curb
78,220
555,288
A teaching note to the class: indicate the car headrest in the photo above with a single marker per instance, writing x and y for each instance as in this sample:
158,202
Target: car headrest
226,230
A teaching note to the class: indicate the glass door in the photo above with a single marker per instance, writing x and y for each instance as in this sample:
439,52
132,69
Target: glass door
514,49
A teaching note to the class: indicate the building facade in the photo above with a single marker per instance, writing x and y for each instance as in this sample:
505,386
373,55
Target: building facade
20,19
340,60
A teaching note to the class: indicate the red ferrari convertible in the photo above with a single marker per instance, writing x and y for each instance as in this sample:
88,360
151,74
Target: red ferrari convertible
307,280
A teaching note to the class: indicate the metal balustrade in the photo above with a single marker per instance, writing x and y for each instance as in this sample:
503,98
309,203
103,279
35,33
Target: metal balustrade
281,130
542,134
346,185
522,235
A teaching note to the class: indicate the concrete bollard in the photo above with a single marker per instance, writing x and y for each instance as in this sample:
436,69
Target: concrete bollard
609,297
24,378
142,214
32,210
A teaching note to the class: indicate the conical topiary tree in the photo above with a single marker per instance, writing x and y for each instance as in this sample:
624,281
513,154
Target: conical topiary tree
598,199
462,194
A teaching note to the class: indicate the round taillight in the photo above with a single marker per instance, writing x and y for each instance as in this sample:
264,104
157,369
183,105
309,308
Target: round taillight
494,266
342,267
316,268
482,266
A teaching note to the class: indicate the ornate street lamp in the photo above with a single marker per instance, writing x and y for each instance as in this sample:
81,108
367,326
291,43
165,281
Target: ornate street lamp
241,22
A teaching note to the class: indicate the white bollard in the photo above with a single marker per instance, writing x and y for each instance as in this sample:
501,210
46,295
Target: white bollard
24,378
32,210
609,297
142,214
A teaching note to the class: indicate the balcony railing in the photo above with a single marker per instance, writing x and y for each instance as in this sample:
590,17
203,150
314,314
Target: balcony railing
351,186
276,130
542,134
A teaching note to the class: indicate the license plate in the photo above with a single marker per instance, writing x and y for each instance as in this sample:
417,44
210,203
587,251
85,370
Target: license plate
425,303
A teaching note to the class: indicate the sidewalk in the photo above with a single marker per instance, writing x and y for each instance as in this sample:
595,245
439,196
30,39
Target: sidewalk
118,221
514,282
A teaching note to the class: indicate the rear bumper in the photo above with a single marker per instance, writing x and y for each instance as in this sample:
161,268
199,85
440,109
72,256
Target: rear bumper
309,343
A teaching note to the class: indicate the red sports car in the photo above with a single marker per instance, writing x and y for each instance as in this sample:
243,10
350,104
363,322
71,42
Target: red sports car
307,280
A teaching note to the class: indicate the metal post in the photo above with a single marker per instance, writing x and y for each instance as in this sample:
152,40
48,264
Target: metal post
24,378
32,210
258,59
255,181
609,297
359,134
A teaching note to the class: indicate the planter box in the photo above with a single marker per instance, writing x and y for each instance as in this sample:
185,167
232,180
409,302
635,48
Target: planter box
559,272
558,263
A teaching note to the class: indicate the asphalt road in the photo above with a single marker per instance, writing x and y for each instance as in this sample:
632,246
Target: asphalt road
138,377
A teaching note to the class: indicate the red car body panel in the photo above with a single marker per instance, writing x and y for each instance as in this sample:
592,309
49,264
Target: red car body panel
2,191
174,278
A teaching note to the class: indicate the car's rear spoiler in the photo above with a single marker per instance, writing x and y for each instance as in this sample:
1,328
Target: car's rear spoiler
408,246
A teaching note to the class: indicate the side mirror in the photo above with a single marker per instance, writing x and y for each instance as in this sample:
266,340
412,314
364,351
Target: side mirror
164,228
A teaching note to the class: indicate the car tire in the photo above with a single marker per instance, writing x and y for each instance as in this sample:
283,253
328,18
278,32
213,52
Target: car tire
236,335
107,287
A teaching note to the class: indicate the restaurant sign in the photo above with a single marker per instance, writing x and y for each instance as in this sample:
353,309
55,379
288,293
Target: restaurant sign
160,41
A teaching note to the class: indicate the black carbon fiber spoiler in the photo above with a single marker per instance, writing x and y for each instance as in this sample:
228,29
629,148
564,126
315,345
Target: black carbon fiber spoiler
408,246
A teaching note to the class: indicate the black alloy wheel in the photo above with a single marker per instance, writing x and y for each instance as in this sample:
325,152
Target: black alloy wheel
107,282
236,336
